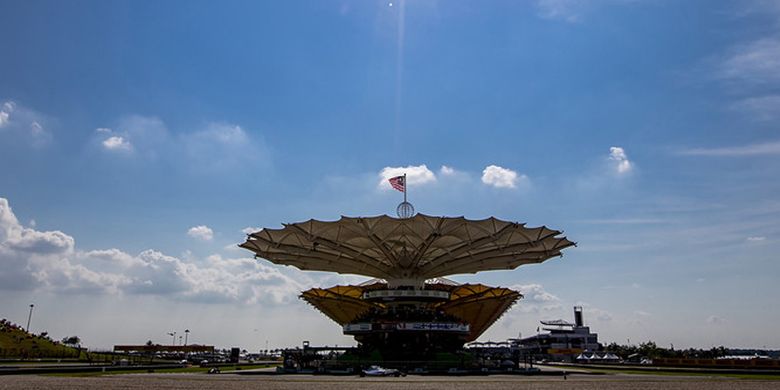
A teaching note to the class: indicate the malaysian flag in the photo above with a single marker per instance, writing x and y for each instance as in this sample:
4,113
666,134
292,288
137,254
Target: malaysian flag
398,182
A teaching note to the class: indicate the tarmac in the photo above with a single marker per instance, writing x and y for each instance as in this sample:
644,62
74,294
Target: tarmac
493,382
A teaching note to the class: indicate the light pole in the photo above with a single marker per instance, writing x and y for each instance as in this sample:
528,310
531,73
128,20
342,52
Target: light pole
186,333
29,317
173,334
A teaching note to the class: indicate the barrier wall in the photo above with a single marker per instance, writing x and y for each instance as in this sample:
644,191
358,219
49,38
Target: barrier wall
718,363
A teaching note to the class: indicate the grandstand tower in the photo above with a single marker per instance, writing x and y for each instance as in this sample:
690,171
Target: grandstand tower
409,310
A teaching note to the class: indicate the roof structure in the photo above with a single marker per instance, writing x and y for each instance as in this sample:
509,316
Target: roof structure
557,323
417,248
476,304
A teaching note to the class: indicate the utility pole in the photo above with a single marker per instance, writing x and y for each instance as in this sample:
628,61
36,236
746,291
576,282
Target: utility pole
29,317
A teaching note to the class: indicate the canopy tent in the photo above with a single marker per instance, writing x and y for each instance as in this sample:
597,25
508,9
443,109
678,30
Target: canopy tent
408,250
476,304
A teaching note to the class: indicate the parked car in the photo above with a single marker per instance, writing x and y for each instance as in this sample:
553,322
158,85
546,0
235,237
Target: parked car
379,371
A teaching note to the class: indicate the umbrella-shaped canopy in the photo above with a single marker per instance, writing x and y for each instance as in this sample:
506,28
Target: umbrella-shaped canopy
476,304
406,251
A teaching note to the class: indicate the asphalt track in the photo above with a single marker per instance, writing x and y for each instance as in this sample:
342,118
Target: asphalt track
494,382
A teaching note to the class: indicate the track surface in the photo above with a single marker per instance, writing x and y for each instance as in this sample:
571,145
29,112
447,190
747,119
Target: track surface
229,381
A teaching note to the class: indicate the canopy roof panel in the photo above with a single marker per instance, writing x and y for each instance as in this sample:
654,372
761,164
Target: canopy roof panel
342,304
421,247
476,304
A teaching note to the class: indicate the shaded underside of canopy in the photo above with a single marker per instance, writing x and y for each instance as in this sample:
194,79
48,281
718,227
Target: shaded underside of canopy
479,305
340,303
421,247
476,304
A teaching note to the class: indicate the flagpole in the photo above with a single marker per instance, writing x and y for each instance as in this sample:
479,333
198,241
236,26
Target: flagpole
406,185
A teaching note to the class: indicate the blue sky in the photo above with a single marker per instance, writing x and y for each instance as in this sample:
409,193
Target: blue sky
138,139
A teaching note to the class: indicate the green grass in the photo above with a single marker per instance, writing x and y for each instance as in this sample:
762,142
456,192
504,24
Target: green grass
17,343
182,370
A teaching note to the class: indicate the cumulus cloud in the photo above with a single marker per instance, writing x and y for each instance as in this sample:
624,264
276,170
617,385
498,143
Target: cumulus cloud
447,170
18,238
536,299
201,232
36,260
415,175
756,238
117,143
714,320
499,177
618,157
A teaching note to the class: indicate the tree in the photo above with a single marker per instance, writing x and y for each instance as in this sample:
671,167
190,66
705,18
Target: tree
73,341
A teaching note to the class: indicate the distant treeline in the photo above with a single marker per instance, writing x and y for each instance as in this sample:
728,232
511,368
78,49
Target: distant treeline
651,350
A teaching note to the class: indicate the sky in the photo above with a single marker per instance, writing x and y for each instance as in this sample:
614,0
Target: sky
141,140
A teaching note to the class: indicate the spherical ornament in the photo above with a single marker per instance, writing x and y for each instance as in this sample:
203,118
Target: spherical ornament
405,210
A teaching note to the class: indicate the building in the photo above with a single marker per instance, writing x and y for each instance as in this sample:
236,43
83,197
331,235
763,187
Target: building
409,310
563,340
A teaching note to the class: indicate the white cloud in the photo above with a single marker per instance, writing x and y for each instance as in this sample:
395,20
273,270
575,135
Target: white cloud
215,148
415,175
620,160
714,320
201,232
36,129
756,238
112,258
251,229
148,137
26,123
766,148
602,315
755,63
566,10
499,177
589,311
40,136
446,170
117,143
5,112
221,147
15,237
625,221
536,299
9,106
49,261
761,108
